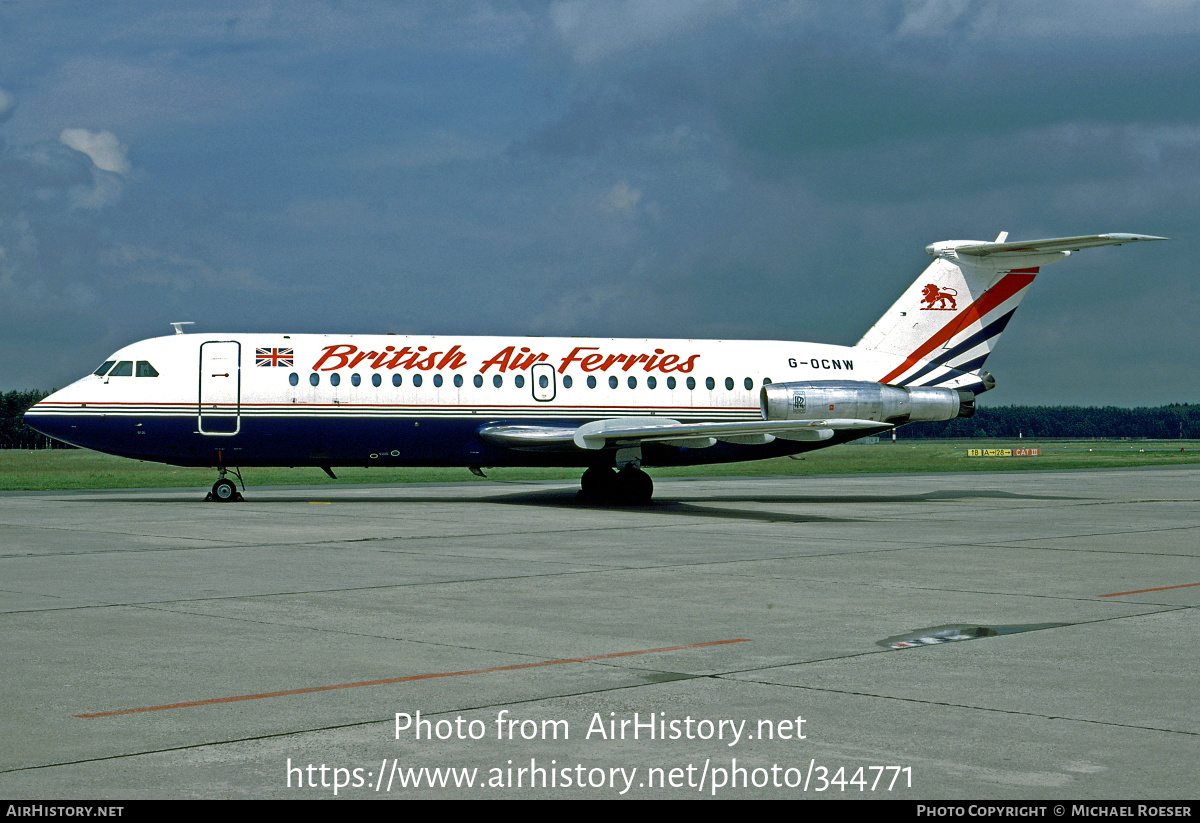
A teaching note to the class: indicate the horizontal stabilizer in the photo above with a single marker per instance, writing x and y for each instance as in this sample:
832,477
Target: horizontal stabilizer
1026,248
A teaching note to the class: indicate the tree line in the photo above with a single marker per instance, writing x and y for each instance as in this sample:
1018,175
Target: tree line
1059,422
14,434
1067,422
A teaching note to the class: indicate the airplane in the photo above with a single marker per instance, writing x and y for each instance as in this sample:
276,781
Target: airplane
609,406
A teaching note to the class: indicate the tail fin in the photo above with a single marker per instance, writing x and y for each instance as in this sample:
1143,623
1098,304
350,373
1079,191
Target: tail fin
949,320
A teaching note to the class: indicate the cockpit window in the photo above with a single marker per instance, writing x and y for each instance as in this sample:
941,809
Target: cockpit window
104,367
122,369
144,369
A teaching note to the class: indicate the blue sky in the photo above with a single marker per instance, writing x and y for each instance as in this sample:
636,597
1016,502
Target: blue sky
685,169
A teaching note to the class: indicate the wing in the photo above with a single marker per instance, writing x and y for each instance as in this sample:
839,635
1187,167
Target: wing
631,431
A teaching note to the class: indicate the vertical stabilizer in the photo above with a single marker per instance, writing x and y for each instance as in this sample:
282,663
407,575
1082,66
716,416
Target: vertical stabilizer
949,320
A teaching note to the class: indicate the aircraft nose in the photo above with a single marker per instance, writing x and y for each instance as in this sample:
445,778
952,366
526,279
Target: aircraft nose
48,417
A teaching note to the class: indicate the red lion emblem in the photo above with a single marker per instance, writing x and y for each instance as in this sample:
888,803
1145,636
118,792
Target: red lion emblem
932,294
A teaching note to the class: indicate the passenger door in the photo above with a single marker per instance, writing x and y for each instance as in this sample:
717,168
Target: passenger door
219,409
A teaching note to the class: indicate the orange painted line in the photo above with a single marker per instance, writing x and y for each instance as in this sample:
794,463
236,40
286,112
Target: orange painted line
1143,591
407,678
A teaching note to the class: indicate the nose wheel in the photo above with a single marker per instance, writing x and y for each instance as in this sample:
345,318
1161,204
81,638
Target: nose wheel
224,491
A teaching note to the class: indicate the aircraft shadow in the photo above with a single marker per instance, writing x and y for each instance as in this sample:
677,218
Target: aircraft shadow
717,506
569,499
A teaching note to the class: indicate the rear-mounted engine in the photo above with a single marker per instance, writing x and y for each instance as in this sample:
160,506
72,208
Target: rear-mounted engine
860,400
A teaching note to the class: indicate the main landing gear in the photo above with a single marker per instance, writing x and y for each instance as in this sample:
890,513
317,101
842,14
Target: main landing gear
225,490
630,486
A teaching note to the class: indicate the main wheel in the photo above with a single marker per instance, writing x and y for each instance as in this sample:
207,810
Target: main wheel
597,483
634,486
224,491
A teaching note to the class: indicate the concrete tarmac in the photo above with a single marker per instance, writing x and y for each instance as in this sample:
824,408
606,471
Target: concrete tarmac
956,636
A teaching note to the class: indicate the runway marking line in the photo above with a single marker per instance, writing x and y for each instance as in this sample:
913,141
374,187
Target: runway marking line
407,678
1143,591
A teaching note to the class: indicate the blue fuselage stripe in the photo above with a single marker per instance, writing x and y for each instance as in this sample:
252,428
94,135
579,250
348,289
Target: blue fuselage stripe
295,440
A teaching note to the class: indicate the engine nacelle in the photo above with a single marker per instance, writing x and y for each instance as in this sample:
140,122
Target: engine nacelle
860,400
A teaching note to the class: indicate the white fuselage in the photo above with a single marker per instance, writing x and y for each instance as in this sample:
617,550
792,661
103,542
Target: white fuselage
276,399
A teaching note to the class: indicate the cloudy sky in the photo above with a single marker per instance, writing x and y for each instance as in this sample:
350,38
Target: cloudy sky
710,168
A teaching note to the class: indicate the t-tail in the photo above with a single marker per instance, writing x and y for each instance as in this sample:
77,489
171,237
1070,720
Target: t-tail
948,321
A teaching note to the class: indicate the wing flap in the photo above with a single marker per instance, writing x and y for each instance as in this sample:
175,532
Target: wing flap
530,438
633,431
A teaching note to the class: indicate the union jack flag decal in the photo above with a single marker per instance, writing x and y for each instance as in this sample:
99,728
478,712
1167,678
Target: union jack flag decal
273,357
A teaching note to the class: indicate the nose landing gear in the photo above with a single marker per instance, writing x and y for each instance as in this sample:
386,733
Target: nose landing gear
224,490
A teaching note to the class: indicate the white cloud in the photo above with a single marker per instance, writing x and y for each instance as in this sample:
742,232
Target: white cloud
621,198
1037,19
926,17
105,190
592,31
102,146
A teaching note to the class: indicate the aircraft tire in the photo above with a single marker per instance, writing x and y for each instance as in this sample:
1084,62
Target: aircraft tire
634,486
223,491
598,483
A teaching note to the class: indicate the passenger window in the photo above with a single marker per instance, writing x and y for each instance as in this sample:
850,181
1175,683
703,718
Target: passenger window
612,382
652,382
437,380
355,379
591,381
478,381
497,381
122,369
294,379
314,379
458,381
544,382
632,382
376,380
749,384
520,381
397,380
710,383
335,379
105,366
691,382
729,384
670,382
417,380
567,381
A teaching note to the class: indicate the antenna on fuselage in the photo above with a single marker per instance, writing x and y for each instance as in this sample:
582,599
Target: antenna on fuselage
179,324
